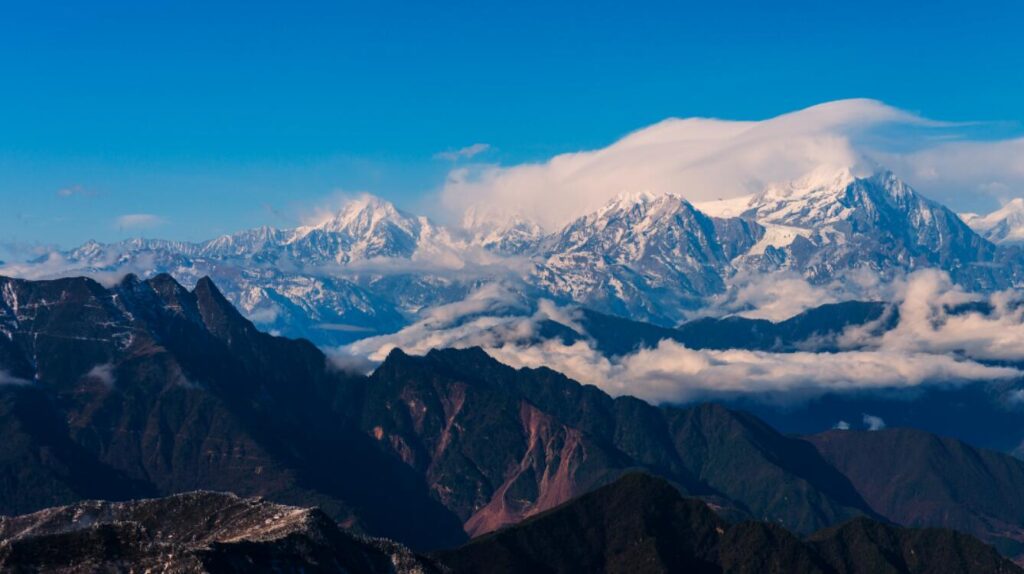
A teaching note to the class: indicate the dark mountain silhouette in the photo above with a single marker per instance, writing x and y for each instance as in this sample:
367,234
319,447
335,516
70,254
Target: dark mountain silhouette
814,328
641,524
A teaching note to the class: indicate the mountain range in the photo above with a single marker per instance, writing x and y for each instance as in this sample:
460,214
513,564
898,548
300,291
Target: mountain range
371,268
148,389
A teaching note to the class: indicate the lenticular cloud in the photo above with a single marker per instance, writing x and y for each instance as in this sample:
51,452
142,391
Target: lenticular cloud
704,159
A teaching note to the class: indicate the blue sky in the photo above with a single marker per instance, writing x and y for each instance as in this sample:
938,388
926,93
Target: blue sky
214,118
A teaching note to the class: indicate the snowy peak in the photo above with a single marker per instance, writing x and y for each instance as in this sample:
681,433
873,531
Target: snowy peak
628,201
1004,225
364,228
876,222
366,215
640,255
642,211
243,243
819,201
816,183
632,219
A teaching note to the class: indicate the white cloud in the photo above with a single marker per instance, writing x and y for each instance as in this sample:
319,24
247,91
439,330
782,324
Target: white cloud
467,152
873,423
494,319
107,270
673,373
842,425
707,159
926,323
138,221
951,171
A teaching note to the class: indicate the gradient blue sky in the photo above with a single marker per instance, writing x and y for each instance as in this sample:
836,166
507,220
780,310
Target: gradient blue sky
218,116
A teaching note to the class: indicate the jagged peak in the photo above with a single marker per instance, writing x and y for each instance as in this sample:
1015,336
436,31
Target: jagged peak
641,202
362,214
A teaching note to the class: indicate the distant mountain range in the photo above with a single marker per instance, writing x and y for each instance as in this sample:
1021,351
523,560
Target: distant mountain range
371,268
148,389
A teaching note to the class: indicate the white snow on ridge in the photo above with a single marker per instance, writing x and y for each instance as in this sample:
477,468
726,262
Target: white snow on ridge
778,236
734,207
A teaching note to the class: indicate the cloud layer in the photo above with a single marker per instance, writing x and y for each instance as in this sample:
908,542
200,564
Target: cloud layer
709,159
931,345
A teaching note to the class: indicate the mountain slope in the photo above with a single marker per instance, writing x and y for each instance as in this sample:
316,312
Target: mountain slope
498,444
917,479
641,524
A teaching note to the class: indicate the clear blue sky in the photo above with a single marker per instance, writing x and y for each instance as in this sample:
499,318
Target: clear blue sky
221,115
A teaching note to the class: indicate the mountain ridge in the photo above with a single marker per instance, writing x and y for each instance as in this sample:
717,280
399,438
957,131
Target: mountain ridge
371,268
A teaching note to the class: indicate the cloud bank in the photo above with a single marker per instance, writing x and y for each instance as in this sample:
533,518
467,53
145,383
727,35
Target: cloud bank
934,343
705,159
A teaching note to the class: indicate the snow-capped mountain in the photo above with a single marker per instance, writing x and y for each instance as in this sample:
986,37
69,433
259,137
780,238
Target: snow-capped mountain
371,268
824,224
1004,225
642,255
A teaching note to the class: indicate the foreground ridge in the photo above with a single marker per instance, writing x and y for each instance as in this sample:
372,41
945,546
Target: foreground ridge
193,532
642,524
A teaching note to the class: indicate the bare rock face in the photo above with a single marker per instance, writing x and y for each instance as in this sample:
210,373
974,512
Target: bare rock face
192,532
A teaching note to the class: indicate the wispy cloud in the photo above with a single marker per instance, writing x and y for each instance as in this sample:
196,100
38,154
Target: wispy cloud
76,190
873,423
108,268
138,221
468,152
